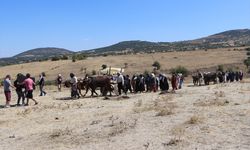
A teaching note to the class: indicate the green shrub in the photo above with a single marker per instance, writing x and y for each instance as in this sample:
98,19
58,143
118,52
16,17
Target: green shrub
247,62
125,65
220,68
180,69
104,66
1,82
74,58
157,65
78,57
64,57
146,72
247,49
93,72
55,58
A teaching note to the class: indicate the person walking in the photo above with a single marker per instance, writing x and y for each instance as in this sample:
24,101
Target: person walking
164,86
120,82
59,82
173,82
127,85
41,84
153,83
73,81
7,90
241,75
20,90
181,80
29,85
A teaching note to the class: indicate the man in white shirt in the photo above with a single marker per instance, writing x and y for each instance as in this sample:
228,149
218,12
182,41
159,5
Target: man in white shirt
73,82
120,82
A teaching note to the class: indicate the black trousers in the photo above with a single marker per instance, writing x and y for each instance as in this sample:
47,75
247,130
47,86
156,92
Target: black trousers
120,88
20,95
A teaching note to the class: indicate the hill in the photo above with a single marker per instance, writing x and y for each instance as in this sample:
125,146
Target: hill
43,52
232,38
135,63
227,39
38,54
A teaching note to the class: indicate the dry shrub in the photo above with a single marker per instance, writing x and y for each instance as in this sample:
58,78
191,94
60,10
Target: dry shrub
194,120
220,94
139,103
165,112
52,106
2,122
118,129
24,112
212,102
172,142
65,107
77,105
61,132
178,133
143,109
121,127
161,105
165,98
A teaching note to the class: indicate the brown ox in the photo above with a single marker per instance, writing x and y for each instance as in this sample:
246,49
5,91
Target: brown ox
103,82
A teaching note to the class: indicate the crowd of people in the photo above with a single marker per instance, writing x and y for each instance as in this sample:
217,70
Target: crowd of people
230,76
138,83
147,83
24,89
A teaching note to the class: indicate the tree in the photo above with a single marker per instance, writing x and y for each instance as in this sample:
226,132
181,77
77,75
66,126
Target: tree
247,62
104,66
180,69
93,72
55,58
125,65
64,57
157,65
74,58
220,68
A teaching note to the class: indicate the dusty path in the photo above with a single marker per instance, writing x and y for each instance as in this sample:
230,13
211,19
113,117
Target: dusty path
207,117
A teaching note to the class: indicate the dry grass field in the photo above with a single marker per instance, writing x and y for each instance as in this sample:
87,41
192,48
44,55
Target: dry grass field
192,60
204,117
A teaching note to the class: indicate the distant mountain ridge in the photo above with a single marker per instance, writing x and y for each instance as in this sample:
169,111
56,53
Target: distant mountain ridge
37,54
231,38
44,52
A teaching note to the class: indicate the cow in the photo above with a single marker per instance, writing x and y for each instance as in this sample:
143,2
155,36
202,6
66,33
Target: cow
210,77
197,78
103,82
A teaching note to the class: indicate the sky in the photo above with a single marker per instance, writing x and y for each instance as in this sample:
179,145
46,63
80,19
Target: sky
87,24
